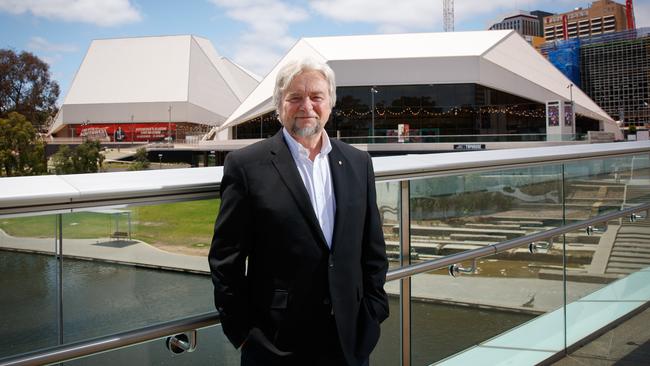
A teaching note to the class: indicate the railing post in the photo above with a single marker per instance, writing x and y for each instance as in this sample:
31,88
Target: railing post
405,283
58,254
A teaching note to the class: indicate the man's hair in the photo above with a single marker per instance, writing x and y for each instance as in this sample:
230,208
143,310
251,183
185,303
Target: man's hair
290,70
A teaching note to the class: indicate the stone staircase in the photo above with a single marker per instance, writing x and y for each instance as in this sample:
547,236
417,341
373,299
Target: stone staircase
631,250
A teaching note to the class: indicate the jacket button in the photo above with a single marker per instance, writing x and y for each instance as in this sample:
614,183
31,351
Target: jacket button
331,263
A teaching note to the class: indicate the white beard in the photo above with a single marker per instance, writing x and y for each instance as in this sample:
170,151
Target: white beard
306,131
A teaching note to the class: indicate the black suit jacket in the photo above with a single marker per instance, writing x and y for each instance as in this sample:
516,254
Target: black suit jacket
271,267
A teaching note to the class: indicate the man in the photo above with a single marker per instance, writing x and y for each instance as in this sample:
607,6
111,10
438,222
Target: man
298,257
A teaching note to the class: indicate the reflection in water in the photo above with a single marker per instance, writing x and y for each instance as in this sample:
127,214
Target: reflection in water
102,298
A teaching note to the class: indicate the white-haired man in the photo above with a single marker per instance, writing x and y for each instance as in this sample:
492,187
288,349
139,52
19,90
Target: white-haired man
298,257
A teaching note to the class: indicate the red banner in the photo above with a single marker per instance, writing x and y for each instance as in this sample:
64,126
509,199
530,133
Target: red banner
126,132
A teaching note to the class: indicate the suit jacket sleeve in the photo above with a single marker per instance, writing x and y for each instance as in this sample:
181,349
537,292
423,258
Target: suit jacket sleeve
228,253
374,261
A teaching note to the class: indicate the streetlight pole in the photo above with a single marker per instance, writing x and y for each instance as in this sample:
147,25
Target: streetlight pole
373,91
573,113
169,126
159,161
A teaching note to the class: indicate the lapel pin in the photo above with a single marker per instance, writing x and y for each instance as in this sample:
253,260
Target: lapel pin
340,162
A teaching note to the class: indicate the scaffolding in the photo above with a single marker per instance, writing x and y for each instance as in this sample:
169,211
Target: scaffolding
566,57
614,71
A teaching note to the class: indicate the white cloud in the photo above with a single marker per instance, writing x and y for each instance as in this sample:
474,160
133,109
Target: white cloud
41,44
388,15
51,60
100,12
426,15
266,38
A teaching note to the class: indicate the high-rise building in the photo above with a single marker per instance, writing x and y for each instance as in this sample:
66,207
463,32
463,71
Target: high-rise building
602,17
612,69
615,73
523,22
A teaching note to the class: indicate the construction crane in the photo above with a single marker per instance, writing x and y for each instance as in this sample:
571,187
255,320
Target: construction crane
448,15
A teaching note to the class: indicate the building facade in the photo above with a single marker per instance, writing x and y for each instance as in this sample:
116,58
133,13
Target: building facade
602,17
612,69
488,83
523,22
150,89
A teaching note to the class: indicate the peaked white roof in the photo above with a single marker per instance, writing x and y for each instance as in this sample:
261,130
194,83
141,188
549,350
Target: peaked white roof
499,59
142,77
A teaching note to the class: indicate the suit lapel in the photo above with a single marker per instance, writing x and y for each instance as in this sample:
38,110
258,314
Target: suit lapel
286,167
339,167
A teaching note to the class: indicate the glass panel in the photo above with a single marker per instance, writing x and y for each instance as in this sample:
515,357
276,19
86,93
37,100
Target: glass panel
388,204
458,213
29,282
505,293
608,265
212,349
388,350
29,233
129,267
612,250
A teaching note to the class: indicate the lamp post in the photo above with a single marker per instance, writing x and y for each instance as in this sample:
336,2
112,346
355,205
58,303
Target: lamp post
373,91
169,125
570,86
159,161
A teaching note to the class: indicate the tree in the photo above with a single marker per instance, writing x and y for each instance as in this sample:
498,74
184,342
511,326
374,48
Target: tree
26,88
140,161
22,151
85,158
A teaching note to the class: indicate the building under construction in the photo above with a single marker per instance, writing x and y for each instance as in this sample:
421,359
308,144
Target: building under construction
613,69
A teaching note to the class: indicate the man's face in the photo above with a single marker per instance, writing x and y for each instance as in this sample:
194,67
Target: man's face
305,106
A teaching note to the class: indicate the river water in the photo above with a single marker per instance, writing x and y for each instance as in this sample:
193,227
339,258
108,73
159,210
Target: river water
103,298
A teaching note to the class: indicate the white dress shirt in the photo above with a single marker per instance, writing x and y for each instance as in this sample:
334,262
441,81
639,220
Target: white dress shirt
317,177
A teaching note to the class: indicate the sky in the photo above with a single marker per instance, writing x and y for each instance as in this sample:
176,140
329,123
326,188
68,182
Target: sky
253,33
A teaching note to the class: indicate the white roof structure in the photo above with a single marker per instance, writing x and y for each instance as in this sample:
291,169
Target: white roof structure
499,59
138,79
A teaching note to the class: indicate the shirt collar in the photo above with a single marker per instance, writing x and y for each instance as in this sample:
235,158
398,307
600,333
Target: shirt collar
297,150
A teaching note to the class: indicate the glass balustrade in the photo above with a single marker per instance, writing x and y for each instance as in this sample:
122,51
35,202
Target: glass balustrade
121,268
487,297
29,278
452,214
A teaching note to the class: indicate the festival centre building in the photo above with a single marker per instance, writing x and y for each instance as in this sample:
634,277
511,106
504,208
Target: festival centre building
151,88
433,84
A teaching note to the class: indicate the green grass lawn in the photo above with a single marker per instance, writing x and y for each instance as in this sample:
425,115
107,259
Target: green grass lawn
184,223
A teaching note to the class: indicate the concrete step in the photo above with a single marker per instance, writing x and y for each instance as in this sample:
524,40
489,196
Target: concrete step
632,244
620,271
636,260
631,249
626,265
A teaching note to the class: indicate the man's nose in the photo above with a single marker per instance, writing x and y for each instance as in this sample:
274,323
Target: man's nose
305,104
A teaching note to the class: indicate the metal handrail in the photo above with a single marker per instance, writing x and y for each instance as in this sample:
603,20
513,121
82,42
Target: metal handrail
120,340
76,350
191,184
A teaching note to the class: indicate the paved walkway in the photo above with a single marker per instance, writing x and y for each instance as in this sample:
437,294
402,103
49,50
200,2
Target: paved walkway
520,294
133,252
